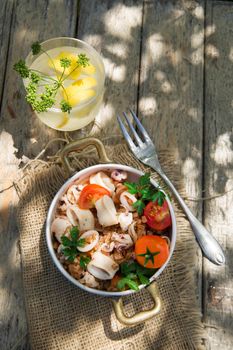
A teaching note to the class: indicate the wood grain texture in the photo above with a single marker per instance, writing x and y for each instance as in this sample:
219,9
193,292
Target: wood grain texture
114,29
171,95
32,21
218,292
6,10
22,137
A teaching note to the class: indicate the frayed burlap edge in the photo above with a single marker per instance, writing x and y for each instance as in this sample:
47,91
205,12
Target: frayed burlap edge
180,274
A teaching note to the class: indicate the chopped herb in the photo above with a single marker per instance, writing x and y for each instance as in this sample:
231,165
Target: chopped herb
139,205
70,245
83,60
65,106
65,62
134,275
36,48
125,281
146,192
84,260
21,68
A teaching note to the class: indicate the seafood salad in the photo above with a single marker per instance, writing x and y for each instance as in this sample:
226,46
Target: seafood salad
111,233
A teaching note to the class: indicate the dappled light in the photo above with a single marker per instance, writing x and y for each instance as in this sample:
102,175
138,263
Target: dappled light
171,62
222,151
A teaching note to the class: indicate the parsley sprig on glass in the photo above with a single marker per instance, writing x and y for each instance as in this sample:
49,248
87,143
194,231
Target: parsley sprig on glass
42,101
71,245
146,192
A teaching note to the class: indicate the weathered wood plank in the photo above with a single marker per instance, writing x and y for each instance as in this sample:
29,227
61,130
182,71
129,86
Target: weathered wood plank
171,89
114,29
5,27
218,292
32,21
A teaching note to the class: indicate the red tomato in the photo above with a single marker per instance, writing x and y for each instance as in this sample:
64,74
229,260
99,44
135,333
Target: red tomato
158,217
151,251
90,194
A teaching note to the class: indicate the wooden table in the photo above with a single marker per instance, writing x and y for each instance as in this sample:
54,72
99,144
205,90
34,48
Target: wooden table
172,61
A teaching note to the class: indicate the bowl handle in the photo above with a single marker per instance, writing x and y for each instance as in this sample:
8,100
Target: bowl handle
79,145
143,315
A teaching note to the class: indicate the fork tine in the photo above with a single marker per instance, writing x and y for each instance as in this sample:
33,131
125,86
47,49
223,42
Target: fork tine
140,127
126,134
137,138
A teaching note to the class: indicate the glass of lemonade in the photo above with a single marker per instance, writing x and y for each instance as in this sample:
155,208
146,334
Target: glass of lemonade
83,87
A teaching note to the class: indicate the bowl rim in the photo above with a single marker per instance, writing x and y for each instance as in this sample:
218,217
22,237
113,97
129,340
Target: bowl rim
81,174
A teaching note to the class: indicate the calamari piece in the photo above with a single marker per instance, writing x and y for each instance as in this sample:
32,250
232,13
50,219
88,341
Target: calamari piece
132,232
103,180
92,238
102,266
125,219
119,175
83,218
106,211
107,247
122,240
127,199
59,227
89,280
73,194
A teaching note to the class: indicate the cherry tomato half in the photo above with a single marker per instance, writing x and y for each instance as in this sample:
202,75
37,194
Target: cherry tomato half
158,217
151,251
90,194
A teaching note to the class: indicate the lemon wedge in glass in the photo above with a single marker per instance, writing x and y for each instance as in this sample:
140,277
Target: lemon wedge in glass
56,64
79,91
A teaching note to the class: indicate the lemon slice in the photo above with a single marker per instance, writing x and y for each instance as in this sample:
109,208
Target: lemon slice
85,83
56,64
89,70
64,121
75,95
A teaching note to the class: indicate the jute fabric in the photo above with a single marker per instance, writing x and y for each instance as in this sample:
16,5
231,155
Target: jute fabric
61,316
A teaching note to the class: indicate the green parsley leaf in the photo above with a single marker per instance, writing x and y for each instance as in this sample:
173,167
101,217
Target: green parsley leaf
36,48
139,205
127,282
127,268
70,253
81,242
74,231
133,272
70,245
66,242
35,77
161,198
146,192
143,279
65,62
132,187
84,260
65,106
83,60
21,68
144,180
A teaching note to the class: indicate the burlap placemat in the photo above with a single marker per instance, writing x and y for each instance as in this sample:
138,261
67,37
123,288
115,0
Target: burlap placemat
61,316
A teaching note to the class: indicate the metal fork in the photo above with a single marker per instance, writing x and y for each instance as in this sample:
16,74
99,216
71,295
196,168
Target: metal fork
145,151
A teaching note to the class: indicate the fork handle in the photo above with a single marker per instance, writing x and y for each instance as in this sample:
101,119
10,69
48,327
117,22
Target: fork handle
206,241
